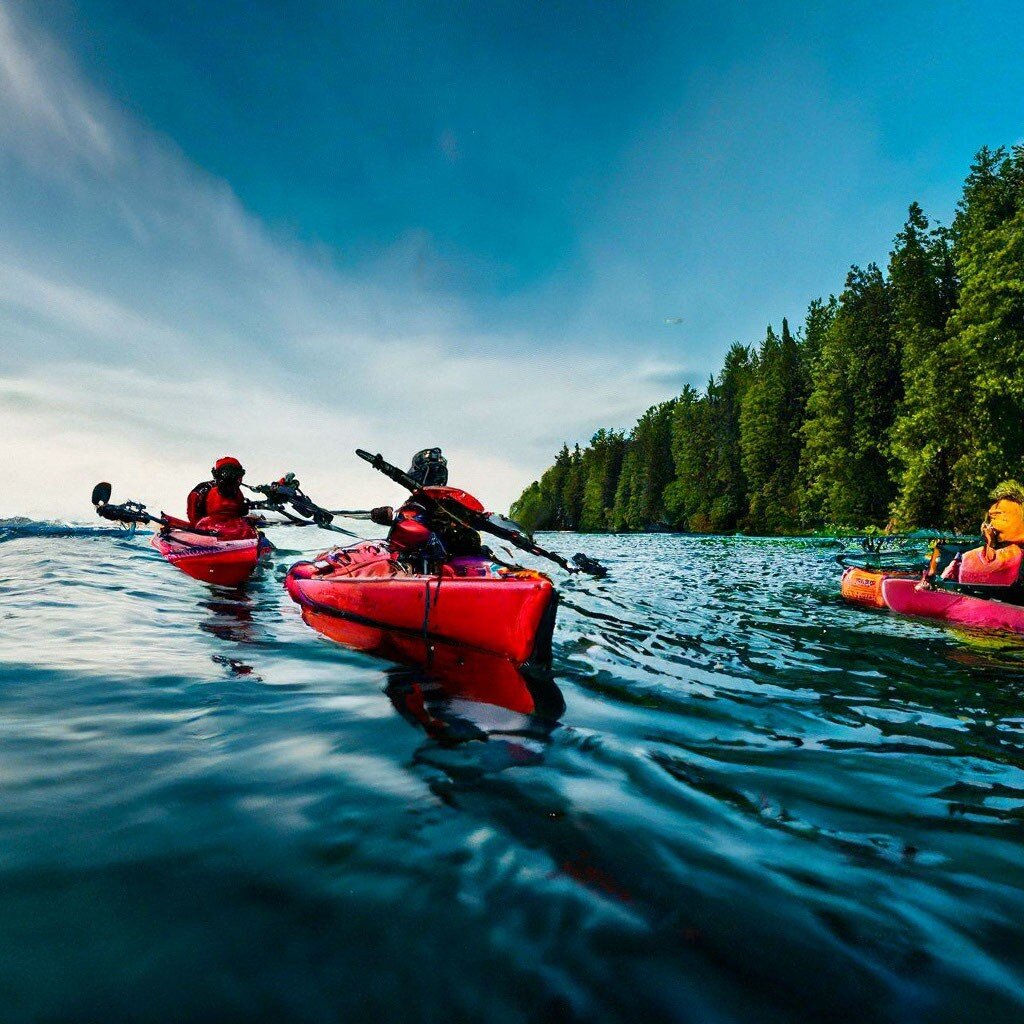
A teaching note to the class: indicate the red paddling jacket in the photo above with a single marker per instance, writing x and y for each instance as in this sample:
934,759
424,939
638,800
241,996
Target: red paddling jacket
211,508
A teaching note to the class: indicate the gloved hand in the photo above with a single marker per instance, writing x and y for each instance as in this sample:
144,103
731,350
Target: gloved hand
384,515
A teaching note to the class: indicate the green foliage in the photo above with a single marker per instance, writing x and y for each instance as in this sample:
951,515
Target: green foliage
902,400
855,390
770,422
646,470
923,285
602,464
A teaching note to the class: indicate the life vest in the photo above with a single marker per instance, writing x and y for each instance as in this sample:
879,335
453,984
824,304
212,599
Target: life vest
455,494
206,500
1002,571
410,530
456,538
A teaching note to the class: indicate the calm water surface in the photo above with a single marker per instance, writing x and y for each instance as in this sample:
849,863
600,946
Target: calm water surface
756,805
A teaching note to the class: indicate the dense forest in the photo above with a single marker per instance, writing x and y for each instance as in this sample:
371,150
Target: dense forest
899,402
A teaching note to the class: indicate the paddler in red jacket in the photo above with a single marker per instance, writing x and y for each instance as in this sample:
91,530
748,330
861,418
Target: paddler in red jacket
219,504
418,527
998,562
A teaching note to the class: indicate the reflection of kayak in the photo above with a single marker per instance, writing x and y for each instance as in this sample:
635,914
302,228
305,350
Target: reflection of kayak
361,597
904,594
210,559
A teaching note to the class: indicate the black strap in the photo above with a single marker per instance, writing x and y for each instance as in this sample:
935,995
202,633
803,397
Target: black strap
201,492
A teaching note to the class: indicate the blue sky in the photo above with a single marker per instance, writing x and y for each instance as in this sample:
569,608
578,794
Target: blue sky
291,228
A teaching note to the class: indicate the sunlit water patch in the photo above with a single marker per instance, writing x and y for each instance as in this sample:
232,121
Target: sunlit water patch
757,804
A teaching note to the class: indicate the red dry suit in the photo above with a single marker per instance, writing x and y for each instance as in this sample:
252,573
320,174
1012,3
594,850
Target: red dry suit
224,511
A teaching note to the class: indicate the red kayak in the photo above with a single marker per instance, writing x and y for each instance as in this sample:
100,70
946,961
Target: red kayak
362,597
226,563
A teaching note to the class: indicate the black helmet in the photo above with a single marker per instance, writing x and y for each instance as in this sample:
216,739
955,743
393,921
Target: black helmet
429,468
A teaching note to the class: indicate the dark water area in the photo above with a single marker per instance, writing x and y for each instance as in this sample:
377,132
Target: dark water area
739,800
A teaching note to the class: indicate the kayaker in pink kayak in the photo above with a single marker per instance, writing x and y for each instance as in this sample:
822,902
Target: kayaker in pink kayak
219,504
999,560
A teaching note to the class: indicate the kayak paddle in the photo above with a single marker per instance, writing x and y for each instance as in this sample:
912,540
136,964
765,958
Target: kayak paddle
131,512
286,492
492,523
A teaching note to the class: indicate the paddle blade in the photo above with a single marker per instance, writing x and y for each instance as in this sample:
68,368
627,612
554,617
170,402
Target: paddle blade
101,493
589,565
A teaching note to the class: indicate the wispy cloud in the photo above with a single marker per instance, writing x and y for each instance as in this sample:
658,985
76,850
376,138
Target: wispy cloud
148,322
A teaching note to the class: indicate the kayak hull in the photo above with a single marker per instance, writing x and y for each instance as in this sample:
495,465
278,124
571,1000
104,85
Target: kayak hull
360,596
904,597
903,594
225,563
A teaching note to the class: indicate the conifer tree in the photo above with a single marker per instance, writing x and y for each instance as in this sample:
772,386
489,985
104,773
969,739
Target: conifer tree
856,389
602,462
922,285
646,471
770,441
984,355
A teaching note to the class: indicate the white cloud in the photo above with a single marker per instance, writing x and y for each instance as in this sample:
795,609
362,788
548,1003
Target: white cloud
148,323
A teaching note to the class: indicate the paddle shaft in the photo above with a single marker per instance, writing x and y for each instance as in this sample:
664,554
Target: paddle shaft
476,521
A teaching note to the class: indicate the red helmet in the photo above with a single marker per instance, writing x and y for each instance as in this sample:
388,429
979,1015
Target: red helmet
229,466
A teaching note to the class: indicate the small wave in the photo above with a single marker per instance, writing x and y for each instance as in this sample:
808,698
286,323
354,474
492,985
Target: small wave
19,527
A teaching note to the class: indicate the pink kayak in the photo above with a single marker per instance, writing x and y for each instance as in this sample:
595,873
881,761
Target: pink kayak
907,597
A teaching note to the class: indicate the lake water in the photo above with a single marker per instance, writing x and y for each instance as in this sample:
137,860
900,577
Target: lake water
740,800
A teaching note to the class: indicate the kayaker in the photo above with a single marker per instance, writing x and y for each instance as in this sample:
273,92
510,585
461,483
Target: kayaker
998,562
219,504
422,527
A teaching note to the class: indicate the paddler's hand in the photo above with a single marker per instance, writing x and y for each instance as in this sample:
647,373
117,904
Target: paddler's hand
383,515
990,536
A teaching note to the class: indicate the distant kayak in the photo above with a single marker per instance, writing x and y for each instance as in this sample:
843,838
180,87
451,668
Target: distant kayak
226,563
362,597
904,593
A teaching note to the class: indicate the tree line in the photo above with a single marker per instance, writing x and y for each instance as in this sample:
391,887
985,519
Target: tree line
900,402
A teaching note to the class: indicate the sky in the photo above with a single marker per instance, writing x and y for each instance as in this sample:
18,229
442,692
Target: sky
286,230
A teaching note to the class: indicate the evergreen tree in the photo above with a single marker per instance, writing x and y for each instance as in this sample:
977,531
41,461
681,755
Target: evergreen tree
572,489
688,497
983,391
602,462
856,389
819,319
725,400
922,285
646,471
770,442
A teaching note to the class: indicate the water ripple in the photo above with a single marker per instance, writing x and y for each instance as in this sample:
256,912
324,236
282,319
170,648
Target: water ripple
757,804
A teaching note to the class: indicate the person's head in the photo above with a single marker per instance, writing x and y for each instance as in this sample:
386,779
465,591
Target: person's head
1006,513
429,468
228,472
